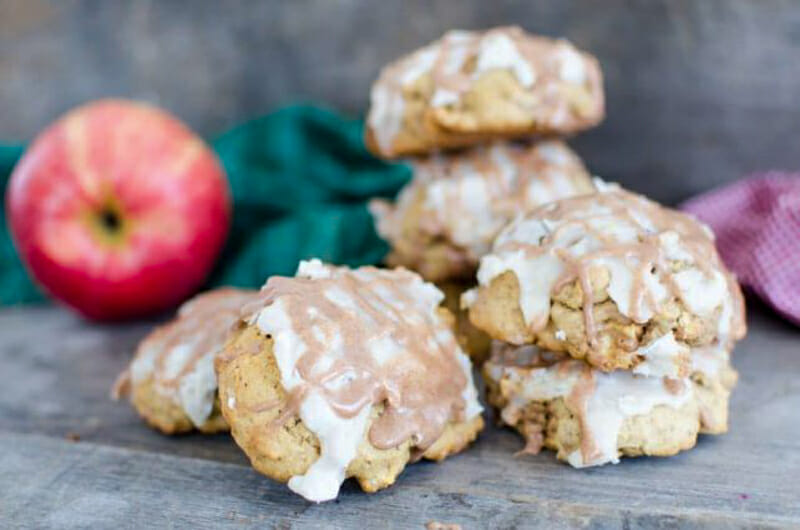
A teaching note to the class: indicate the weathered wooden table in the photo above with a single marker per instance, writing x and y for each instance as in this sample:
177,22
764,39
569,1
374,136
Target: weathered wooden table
71,458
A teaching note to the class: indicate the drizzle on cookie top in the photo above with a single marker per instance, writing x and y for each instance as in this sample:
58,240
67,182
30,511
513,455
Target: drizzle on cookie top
470,196
179,356
600,401
548,68
652,254
345,340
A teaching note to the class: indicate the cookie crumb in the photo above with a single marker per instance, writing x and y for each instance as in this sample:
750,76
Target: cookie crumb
122,386
436,525
73,437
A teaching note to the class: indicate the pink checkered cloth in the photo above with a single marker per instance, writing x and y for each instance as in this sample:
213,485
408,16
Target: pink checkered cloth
757,223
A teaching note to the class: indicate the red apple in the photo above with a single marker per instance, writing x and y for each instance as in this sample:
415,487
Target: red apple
118,209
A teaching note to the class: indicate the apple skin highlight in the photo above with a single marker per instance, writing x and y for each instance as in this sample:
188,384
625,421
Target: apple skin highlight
118,210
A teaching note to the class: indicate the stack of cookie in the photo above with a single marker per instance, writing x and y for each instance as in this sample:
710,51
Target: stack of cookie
467,108
611,318
615,319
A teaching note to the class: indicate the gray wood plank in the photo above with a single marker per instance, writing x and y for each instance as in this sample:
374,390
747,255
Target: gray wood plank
59,485
58,369
62,370
698,92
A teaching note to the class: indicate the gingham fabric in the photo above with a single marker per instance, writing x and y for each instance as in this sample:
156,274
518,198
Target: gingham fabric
757,224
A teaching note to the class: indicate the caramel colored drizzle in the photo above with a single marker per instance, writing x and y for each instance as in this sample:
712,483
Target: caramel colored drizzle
578,400
509,172
507,193
203,323
642,256
582,385
540,54
341,319
451,63
529,357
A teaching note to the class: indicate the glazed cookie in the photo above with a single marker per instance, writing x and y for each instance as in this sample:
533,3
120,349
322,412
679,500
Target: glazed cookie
562,404
171,378
611,278
472,86
446,218
589,417
347,373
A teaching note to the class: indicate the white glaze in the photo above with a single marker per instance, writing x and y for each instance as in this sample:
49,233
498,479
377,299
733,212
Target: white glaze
620,395
498,52
710,360
590,232
615,396
197,390
339,439
492,50
469,197
662,357
572,69
341,436
179,356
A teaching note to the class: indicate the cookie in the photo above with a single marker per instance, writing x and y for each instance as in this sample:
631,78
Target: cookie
446,218
591,417
587,416
346,373
472,86
611,278
171,378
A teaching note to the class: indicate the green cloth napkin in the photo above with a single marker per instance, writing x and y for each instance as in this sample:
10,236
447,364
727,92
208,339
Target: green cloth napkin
300,179
15,285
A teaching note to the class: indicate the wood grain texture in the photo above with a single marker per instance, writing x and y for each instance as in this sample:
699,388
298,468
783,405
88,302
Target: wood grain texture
64,368
88,486
58,370
699,93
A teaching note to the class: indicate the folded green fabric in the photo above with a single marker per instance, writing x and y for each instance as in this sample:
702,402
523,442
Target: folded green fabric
15,285
300,179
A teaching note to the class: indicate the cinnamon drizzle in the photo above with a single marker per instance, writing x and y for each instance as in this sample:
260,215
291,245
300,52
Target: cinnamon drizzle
664,254
470,196
175,350
599,401
548,69
368,337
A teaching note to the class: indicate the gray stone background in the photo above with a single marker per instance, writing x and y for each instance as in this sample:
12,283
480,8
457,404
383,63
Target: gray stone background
700,92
